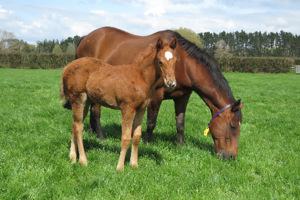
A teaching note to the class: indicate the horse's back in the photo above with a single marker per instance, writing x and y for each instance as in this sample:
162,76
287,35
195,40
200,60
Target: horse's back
106,38
116,46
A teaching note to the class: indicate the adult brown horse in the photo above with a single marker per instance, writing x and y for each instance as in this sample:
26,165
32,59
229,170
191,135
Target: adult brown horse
125,87
195,71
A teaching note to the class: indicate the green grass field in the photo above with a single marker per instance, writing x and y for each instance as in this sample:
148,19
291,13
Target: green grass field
35,136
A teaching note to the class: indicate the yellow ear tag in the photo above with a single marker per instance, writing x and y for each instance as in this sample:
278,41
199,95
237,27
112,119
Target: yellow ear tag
207,132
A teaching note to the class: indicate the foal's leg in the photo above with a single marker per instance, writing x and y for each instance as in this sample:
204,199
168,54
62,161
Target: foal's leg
79,111
128,115
95,125
137,133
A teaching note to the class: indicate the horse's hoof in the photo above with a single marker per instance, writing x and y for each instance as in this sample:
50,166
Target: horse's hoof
101,138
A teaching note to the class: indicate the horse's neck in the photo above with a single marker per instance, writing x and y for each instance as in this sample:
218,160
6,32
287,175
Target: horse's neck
215,104
214,97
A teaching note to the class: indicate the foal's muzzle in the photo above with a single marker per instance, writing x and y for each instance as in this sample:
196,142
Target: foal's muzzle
170,84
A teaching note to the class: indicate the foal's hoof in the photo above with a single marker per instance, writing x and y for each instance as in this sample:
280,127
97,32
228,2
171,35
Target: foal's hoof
73,158
83,163
134,165
120,169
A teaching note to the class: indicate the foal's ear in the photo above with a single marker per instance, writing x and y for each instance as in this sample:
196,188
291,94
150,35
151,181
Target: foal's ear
173,43
237,105
159,44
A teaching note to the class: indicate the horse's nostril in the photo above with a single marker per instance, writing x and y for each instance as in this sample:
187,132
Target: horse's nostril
226,155
232,157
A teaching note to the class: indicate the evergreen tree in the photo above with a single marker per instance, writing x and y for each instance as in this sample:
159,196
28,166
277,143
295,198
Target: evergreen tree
57,49
71,49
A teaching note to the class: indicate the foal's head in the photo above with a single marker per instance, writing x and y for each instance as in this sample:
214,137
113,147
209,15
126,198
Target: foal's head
166,61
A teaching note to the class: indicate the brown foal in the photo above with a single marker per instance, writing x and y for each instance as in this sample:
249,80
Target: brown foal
129,88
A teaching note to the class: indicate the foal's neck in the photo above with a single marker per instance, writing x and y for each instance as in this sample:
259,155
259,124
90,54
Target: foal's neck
148,64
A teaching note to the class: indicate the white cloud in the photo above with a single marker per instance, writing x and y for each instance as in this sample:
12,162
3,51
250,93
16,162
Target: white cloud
156,8
2,10
80,28
98,12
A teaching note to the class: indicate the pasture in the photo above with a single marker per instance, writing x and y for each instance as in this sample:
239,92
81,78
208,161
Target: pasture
35,136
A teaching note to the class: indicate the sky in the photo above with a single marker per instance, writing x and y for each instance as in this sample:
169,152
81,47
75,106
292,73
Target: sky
37,20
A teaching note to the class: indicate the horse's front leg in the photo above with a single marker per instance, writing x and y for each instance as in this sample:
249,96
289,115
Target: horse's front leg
137,133
152,113
95,125
128,115
180,108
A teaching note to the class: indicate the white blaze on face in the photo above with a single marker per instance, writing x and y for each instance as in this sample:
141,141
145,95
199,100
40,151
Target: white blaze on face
168,55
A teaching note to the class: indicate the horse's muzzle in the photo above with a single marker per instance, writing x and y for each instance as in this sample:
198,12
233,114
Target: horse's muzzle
226,155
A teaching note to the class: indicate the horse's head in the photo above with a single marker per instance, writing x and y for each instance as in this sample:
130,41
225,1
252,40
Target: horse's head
166,61
225,130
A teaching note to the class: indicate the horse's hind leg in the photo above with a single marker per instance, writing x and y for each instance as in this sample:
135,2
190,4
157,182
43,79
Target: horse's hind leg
128,115
78,108
95,125
137,133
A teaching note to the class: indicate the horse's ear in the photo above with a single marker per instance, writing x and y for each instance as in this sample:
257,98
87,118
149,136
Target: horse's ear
237,105
159,44
173,43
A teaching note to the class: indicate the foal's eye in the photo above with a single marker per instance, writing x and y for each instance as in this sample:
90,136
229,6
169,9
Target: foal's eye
160,63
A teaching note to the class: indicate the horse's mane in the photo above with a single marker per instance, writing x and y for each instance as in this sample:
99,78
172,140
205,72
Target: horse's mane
208,61
150,51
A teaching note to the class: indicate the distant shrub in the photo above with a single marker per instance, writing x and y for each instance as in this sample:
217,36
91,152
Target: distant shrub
297,61
255,64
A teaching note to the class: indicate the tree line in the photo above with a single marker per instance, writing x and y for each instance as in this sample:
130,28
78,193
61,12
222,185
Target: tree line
239,43
9,44
257,44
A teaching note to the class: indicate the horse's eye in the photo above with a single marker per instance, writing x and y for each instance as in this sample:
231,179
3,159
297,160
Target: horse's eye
160,63
233,127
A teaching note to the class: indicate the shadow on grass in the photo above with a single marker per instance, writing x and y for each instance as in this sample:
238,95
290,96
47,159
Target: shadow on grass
172,138
114,131
202,145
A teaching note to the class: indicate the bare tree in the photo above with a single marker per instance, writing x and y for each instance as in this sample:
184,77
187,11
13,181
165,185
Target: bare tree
5,37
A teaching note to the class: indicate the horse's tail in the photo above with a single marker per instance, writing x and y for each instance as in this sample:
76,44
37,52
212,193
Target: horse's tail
64,99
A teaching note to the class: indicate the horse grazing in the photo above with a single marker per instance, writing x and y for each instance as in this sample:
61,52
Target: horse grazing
125,87
195,71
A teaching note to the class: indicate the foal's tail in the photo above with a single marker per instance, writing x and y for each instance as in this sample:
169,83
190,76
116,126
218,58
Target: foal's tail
64,99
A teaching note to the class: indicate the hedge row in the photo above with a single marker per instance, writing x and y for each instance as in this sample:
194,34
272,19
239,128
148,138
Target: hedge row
227,64
34,61
297,61
255,64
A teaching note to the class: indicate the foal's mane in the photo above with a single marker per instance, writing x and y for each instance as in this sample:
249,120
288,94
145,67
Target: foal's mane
208,61
149,52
